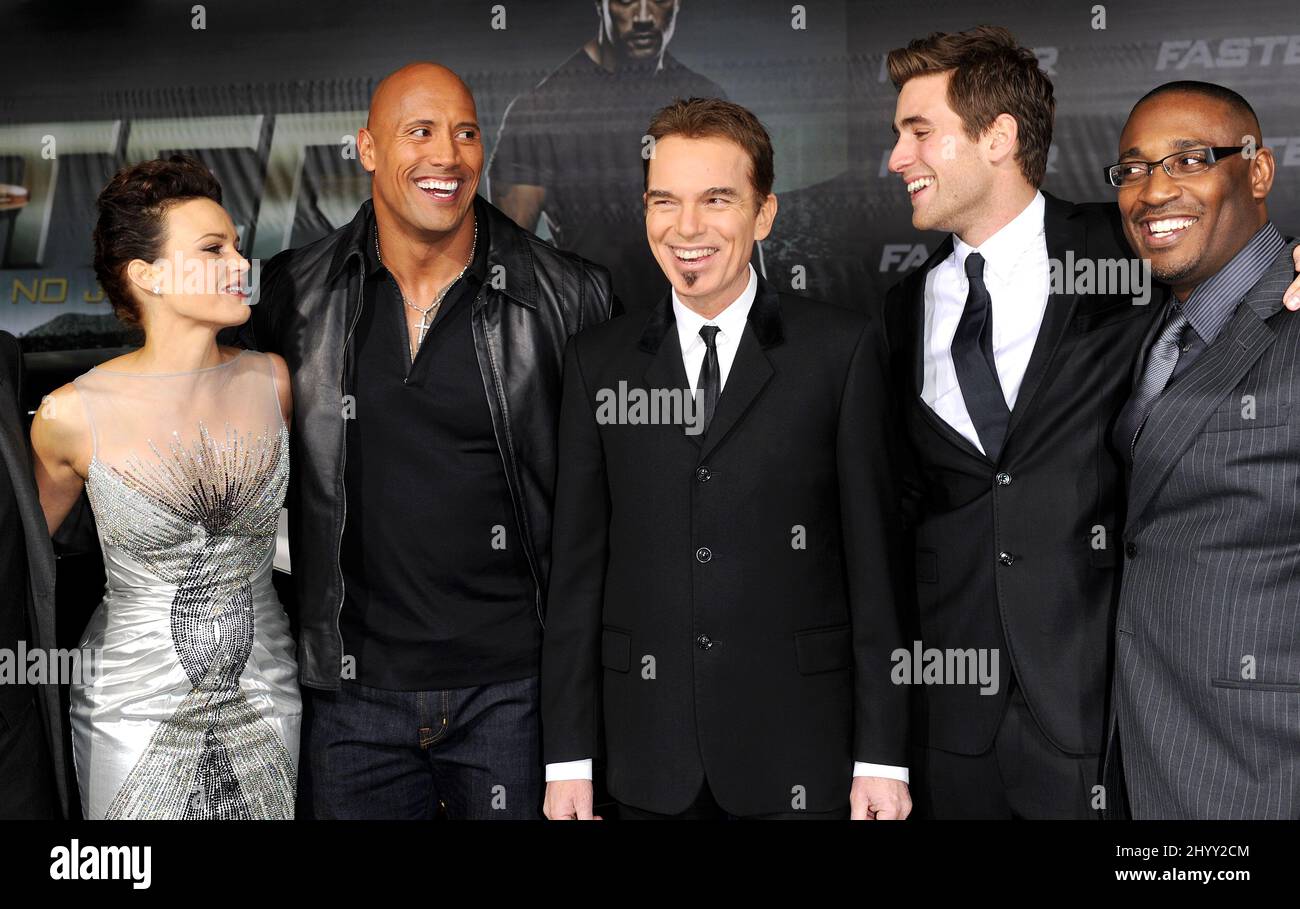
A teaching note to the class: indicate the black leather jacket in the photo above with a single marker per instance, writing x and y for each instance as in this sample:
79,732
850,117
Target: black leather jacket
534,298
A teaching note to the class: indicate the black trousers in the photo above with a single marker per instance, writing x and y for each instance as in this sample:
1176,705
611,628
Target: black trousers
27,789
1021,776
705,808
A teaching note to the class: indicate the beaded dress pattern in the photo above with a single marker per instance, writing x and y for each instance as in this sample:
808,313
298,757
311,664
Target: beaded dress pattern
195,712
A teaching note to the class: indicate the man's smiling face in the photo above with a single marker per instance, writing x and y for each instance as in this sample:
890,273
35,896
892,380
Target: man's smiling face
703,216
1190,227
422,144
940,165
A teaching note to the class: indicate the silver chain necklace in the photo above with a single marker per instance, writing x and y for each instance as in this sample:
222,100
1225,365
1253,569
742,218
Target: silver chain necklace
429,313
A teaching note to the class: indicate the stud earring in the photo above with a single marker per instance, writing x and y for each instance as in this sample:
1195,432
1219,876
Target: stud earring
157,290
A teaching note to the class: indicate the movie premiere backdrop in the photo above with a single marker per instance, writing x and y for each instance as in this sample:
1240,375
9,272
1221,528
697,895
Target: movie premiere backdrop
270,97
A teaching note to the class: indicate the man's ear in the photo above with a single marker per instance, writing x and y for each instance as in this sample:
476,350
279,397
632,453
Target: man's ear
1001,137
766,216
1262,169
366,149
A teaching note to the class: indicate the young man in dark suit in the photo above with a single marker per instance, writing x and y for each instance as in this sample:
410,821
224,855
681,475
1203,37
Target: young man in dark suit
721,600
32,781
1006,389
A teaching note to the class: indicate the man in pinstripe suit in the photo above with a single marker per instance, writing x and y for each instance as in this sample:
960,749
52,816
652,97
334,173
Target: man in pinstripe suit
1206,699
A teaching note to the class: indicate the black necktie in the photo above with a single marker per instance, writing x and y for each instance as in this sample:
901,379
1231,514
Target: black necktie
710,381
1161,360
972,357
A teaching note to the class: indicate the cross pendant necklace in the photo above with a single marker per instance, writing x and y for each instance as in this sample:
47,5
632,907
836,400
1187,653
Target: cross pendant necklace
430,312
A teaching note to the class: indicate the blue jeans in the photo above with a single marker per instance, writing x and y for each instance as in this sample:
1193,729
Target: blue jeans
473,752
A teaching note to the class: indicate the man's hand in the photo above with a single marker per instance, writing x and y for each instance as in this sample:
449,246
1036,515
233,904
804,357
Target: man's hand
1292,296
874,798
569,800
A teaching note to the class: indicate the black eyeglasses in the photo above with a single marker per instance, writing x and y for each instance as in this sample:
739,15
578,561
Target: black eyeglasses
1186,163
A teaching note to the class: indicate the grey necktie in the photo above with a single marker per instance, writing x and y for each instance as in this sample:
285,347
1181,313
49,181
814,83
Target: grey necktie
1160,364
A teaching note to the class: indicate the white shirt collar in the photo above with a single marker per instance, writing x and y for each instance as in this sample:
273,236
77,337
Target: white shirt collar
1003,250
731,320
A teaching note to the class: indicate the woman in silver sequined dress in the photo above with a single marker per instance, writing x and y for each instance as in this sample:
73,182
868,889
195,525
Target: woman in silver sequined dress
183,452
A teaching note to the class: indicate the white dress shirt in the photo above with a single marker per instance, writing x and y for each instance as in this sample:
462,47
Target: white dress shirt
1017,276
731,327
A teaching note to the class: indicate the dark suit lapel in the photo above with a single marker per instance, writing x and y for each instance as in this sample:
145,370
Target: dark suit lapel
751,369
1178,415
666,369
916,325
1063,233
660,340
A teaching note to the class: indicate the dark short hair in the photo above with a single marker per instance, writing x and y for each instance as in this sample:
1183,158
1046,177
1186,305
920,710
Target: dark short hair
131,221
991,75
1235,102
714,118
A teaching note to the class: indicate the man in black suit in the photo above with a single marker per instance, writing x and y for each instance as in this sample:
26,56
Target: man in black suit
1006,386
721,593
32,783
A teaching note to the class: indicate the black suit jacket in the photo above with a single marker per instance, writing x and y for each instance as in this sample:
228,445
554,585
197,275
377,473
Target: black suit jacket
1022,555
37,598
723,602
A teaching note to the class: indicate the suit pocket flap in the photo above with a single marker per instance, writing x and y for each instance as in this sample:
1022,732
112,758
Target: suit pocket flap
1245,416
824,649
615,649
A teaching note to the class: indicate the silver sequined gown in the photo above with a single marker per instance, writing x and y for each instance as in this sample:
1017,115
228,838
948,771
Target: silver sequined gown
194,711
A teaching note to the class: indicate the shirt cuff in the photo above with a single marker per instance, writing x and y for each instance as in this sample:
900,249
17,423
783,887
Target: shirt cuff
860,768
572,770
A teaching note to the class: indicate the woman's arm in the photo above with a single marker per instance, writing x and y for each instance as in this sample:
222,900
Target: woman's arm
283,388
61,450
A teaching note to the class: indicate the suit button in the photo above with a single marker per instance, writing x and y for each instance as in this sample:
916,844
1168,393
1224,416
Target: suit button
704,642
702,554
1003,479
1131,550
1006,558
703,475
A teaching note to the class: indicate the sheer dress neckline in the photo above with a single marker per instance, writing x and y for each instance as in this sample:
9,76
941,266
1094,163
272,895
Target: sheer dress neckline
159,375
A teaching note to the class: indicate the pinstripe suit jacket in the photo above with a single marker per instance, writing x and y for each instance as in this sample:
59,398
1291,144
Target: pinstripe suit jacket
1207,676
